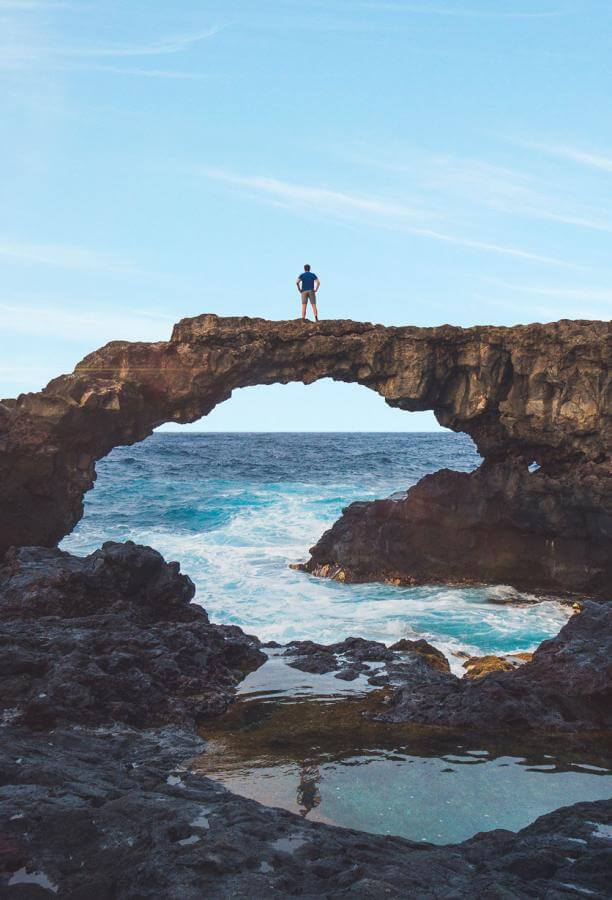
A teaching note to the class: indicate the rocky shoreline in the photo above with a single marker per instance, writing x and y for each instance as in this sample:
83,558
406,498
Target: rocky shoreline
502,524
113,812
107,669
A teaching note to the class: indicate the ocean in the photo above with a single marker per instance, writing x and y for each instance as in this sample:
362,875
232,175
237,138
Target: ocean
236,509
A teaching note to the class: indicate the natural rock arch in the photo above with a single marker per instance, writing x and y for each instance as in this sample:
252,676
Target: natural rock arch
528,393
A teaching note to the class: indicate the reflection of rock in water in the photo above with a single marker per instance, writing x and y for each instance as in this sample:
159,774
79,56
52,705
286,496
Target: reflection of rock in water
308,795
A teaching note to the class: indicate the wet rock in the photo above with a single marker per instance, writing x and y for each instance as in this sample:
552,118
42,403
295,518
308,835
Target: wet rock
112,637
427,651
353,653
116,813
479,666
317,663
512,600
304,648
347,674
356,648
380,679
547,531
567,686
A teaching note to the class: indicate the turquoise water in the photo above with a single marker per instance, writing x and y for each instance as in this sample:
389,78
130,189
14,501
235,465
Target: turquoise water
236,509
300,741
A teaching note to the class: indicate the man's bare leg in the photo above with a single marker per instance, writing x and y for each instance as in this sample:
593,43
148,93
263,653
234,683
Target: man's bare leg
304,305
313,303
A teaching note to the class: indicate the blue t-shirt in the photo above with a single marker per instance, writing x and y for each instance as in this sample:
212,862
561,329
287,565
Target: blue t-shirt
308,279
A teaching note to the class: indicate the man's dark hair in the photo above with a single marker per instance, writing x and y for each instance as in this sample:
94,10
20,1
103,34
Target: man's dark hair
306,267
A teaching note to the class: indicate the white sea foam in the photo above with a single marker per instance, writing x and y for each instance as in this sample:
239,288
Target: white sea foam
236,537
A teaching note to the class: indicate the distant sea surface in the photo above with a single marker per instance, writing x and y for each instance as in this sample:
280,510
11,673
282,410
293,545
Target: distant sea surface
236,509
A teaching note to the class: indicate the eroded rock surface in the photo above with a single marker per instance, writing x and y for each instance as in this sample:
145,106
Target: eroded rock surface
501,524
567,686
528,393
100,809
354,656
111,637
479,666
115,813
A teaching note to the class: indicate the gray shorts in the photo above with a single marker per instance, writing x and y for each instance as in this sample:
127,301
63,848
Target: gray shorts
309,295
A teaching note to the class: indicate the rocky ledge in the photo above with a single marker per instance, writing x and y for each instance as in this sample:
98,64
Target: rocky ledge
111,637
565,686
501,524
527,395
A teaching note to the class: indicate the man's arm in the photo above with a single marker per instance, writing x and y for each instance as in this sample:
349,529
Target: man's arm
317,284
298,281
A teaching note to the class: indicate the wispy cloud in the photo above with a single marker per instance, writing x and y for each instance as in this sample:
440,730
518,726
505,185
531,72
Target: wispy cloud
549,302
572,154
350,207
462,12
335,202
477,183
84,325
163,47
133,70
511,192
34,5
64,257
16,54
530,311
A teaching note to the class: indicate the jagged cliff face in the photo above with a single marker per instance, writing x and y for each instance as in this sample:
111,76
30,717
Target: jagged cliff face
530,393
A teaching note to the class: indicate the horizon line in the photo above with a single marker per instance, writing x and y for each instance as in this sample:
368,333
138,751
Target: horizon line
442,430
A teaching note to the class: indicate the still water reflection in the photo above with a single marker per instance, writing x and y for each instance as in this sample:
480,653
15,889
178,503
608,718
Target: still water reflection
315,754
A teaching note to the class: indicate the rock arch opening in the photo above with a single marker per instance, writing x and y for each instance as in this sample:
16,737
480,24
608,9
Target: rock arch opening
529,393
235,512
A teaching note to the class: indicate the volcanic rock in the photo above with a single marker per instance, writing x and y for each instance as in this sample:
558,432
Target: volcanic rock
351,654
315,663
111,637
427,651
531,393
500,524
116,813
479,666
567,686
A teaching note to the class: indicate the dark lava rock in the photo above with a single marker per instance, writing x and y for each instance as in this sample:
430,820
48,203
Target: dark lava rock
512,600
356,648
348,674
566,686
115,813
379,680
111,637
424,649
545,531
304,648
318,663
321,658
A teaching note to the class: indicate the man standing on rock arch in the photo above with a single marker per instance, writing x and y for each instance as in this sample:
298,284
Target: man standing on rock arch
308,284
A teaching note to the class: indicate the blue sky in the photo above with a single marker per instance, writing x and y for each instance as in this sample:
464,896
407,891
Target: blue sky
434,162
